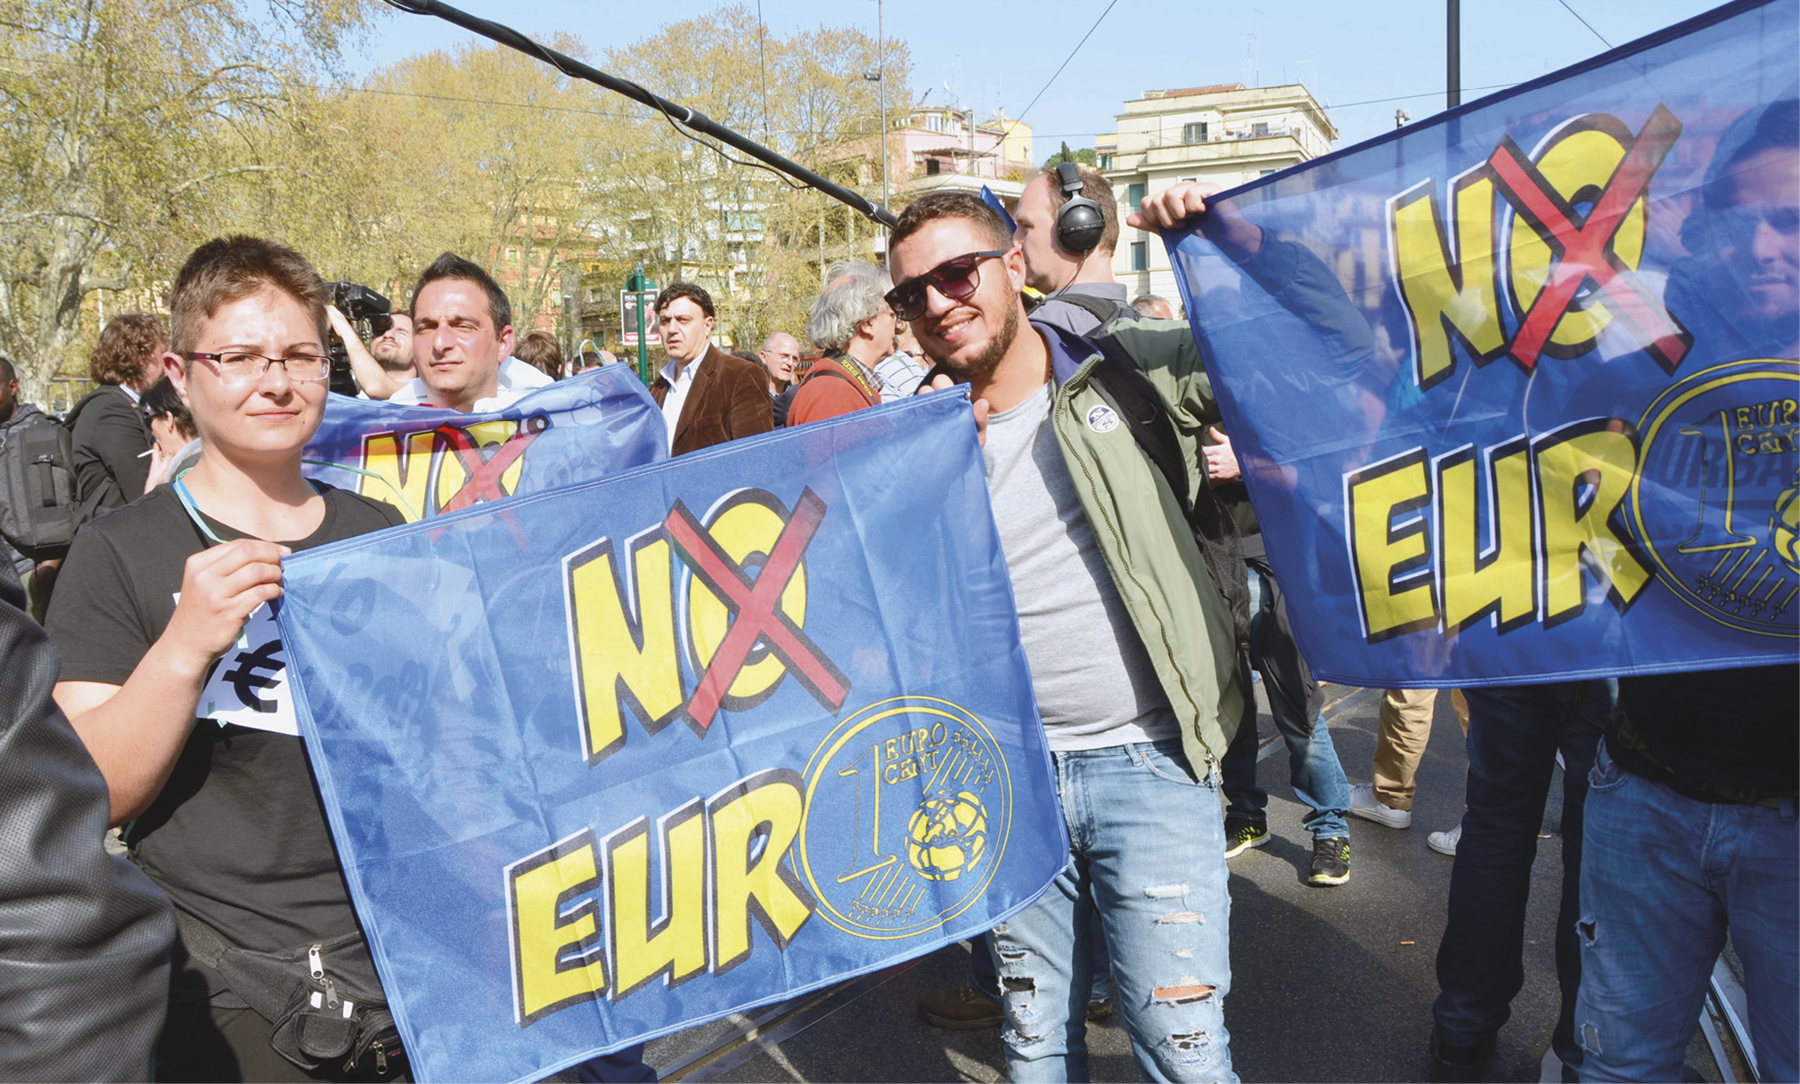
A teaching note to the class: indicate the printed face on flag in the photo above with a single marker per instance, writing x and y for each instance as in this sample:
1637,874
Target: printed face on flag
1758,232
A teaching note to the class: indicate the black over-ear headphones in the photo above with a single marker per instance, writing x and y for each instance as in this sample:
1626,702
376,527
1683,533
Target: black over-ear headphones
1079,224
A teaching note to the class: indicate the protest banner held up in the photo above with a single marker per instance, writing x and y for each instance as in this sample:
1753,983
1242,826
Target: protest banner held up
1515,390
610,760
430,460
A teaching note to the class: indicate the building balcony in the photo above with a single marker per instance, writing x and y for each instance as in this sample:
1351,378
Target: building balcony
1167,152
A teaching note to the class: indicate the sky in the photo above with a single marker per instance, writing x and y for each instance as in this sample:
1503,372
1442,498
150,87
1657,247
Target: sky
1362,60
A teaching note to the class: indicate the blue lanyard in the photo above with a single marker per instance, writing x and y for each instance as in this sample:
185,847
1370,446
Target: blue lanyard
186,498
187,503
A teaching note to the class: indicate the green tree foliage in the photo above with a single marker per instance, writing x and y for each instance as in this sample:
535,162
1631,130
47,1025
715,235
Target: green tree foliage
135,129
1085,156
122,122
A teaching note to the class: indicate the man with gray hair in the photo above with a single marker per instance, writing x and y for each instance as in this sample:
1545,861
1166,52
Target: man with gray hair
852,323
1152,306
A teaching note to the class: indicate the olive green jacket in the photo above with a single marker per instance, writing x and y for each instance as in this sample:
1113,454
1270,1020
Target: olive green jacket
1149,547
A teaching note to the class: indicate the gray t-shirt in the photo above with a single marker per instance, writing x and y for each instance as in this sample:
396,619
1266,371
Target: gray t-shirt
1095,684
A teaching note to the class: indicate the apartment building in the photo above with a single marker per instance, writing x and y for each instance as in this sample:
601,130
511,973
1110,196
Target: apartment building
1227,134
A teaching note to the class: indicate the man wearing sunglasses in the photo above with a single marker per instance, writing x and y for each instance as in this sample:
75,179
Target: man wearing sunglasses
1132,649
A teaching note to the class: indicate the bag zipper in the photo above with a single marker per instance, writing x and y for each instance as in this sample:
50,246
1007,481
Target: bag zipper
315,959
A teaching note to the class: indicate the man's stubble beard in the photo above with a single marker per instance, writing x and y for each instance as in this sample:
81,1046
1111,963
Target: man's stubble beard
983,365
395,364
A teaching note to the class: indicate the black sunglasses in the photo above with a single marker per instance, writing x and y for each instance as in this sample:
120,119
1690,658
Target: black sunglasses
955,278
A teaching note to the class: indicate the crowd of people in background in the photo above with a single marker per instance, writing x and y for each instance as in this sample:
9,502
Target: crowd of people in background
1142,639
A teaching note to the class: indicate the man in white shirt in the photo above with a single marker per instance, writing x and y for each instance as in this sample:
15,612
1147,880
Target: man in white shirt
707,395
463,341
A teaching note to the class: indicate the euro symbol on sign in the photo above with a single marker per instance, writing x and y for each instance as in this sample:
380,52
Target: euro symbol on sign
245,679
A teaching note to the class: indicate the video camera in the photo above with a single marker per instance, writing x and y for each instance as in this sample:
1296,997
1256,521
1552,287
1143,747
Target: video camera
369,313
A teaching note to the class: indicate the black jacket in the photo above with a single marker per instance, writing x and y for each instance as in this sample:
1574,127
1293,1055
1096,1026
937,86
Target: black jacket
84,936
110,441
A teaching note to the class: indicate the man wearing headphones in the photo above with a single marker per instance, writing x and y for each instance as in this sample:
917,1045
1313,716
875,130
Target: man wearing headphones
1067,225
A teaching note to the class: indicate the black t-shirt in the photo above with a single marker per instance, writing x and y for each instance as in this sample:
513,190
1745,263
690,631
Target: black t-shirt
237,837
1714,735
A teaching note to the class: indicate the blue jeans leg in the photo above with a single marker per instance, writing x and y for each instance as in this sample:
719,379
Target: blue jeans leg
1148,851
1515,733
986,980
1663,878
624,1066
1313,767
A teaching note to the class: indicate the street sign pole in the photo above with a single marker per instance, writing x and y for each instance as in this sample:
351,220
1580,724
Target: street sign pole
643,342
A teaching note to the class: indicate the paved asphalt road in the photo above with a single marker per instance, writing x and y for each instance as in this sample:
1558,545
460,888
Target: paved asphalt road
1326,986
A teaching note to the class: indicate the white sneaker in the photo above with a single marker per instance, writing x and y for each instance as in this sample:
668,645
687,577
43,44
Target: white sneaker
1445,842
1364,804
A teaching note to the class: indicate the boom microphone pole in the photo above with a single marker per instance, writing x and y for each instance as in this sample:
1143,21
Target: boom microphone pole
687,117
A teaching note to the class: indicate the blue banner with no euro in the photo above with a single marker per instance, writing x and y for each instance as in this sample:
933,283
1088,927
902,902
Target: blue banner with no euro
606,761
1514,390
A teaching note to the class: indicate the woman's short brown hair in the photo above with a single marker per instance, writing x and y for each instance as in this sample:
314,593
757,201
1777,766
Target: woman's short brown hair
126,345
228,269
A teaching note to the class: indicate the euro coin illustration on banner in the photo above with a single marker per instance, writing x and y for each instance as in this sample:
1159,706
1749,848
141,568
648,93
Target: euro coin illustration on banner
1714,504
927,800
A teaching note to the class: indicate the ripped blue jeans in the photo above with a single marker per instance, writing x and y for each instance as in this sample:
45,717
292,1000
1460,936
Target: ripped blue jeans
1147,848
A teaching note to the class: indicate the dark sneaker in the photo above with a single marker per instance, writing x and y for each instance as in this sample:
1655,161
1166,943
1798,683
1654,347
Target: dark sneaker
1331,861
1241,834
1459,1064
1098,1011
959,1008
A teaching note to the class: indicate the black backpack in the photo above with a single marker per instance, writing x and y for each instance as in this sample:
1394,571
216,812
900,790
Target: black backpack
1129,392
39,506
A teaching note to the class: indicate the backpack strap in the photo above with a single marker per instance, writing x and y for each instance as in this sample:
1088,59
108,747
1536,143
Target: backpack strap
850,380
1129,392
1100,308
1123,385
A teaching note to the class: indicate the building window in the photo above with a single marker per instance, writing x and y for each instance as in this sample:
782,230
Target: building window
1194,133
1140,255
1265,173
1106,161
1134,197
932,167
1260,128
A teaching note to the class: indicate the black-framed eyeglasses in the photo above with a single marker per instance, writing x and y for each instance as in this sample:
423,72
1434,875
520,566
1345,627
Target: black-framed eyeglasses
244,367
955,278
